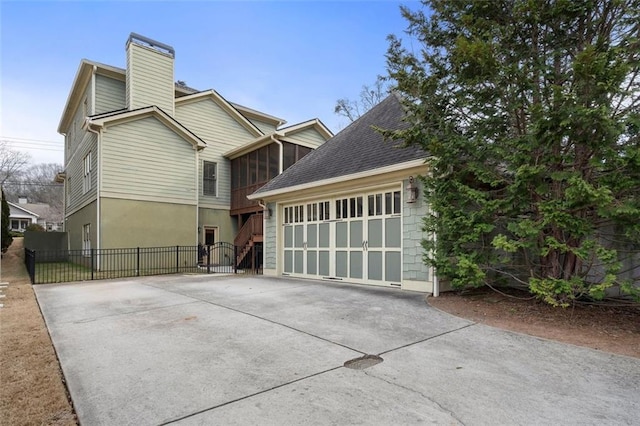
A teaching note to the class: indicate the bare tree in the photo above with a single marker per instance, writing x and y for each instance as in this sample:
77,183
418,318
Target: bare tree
37,184
370,96
12,162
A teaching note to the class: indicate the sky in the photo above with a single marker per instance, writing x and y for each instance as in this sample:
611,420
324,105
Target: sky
290,59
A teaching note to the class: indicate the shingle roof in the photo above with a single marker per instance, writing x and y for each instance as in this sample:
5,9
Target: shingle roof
357,148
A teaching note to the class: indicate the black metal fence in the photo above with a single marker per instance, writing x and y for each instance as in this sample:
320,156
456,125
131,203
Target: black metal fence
54,266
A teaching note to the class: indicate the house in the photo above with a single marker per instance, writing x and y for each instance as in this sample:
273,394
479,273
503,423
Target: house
22,214
351,209
150,162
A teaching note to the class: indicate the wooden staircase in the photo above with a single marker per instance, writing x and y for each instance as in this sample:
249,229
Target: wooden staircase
250,234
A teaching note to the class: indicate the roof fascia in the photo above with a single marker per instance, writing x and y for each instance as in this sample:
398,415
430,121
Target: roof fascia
17,206
224,104
154,111
399,167
80,82
258,115
313,123
252,146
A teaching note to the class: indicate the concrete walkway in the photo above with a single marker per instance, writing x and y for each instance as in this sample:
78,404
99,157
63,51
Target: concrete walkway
207,350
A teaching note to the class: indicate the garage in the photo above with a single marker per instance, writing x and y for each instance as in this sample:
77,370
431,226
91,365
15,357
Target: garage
356,238
351,210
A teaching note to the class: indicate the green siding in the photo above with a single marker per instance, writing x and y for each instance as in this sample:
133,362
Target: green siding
222,133
218,218
110,94
308,137
131,223
149,78
75,222
75,134
75,173
144,158
264,127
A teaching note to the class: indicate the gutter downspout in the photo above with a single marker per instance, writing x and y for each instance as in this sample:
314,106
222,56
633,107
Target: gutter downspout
197,156
281,160
98,176
93,91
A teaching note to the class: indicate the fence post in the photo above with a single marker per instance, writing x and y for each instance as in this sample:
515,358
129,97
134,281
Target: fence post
137,261
177,258
92,253
208,259
235,259
31,264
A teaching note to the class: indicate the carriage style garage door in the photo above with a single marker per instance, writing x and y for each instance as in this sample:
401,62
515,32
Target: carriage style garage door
355,238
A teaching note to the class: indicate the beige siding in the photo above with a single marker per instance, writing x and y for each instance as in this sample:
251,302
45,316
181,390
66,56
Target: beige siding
144,158
308,137
221,133
134,223
265,128
75,173
149,78
110,94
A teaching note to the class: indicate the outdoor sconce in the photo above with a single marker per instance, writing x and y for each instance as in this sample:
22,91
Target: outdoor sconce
412,191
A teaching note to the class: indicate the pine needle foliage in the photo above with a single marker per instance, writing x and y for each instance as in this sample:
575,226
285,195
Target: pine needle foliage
529,110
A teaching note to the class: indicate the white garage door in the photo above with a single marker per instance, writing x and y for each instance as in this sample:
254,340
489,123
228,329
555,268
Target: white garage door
356,238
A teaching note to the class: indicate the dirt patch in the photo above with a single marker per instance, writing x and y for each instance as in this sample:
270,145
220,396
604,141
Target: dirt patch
611,328
32,390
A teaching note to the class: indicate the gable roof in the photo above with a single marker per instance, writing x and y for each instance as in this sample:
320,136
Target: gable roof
114,117
23,208
227,106
279,134
313,123
258,115
356,149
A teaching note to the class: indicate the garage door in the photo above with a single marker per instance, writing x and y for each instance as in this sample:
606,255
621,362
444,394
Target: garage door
356,238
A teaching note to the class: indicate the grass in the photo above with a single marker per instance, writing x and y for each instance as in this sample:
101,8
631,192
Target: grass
58,272
32,389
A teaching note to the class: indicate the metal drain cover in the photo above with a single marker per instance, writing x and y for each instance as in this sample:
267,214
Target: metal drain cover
363,362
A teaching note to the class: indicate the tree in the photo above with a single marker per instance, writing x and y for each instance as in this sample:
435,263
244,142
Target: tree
12,162
37,184
530,112
7,239
370,96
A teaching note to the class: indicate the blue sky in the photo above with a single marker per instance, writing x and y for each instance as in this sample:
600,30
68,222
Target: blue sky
289,59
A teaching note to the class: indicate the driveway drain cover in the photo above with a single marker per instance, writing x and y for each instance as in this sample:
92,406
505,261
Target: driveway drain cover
363,362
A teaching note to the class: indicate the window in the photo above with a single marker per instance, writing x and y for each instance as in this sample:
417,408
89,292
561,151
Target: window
209,178
274,160
86,239
86,177
324,210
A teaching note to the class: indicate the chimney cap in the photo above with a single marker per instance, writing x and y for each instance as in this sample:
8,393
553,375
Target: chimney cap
164,48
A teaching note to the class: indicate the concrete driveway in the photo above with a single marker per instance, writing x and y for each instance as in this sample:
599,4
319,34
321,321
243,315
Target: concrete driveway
234,350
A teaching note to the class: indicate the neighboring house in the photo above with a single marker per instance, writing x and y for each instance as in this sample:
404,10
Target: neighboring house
149,162
22,214
351,210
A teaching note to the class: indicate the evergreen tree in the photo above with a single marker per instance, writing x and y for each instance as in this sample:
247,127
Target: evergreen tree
7,239
530,112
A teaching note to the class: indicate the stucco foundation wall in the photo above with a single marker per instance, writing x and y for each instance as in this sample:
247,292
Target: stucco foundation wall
270,248
75,222
130,223
413,267
227,228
